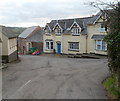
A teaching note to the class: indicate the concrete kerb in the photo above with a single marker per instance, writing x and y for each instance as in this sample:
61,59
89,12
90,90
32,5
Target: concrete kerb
3,66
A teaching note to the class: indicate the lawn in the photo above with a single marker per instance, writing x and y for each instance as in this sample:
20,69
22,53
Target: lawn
110,86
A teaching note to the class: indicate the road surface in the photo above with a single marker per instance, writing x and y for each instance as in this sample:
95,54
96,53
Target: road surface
48,77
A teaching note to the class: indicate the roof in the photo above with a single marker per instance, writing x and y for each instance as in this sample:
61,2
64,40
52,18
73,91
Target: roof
7,32
27,32
98,37
65,24
95,18
51,25
37,37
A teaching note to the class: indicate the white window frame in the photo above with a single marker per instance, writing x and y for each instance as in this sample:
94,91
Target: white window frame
58,31
75,48
47,31
103,28
100,43
76,31
49,46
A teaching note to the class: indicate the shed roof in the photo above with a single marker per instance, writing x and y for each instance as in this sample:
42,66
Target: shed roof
27,32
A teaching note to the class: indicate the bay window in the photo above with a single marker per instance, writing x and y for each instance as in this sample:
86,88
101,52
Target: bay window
101,45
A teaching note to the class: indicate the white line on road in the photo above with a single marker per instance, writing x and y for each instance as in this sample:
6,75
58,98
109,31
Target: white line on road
24,85
20,88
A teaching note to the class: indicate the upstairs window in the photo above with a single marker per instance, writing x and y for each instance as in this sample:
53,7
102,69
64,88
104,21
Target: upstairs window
76,31
58,31
103,28
47,31
101,45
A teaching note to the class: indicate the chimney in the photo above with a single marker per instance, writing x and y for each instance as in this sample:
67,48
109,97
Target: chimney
65,25
74,20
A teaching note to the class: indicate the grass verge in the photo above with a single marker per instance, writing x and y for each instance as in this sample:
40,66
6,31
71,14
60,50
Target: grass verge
110,85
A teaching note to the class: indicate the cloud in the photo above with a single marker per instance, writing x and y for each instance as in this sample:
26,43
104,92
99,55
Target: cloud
38,12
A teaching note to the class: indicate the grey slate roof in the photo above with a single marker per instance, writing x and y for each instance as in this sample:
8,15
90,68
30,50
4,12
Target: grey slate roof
65,24
8,33
27,32
51,25
37,37
98,37
95,18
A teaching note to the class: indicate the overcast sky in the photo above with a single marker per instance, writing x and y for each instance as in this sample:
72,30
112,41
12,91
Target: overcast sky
25,13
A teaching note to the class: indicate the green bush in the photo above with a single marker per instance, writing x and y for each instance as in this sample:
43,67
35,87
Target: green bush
110,86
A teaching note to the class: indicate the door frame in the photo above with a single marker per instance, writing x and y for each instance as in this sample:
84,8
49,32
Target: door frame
60,47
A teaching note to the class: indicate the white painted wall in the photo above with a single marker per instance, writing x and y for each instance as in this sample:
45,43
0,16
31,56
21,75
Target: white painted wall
12,45
4,45
0,64
0,46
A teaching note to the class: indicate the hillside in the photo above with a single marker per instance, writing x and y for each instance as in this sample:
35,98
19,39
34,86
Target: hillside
18,30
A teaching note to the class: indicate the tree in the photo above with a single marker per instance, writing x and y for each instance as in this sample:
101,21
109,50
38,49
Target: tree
112,12
113,41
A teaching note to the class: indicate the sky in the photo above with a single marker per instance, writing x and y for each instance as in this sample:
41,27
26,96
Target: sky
26,13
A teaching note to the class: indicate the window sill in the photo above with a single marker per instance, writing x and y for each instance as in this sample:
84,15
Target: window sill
101,50
73,50
75,35
48,34
58,34
103,31
49,49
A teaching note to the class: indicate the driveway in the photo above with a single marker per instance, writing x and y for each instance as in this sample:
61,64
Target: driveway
49,77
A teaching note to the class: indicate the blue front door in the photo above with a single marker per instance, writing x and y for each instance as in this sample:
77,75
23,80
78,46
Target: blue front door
58,48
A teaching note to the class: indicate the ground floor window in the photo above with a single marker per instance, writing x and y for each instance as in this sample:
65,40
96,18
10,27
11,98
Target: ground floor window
73,45
49,45
101,45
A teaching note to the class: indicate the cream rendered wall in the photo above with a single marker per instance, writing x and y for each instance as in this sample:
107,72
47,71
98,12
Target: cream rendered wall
69,38
85,45
64,39
94,29
4,45
12,45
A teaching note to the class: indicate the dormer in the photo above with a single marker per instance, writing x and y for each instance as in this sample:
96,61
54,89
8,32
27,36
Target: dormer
75,28
58,29
47,29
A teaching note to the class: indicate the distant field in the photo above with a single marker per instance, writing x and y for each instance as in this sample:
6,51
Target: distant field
18,30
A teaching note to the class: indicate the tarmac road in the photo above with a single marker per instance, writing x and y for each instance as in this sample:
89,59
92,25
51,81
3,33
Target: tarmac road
48,77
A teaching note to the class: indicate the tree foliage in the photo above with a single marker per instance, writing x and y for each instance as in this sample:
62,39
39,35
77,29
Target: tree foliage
112,11
113,38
